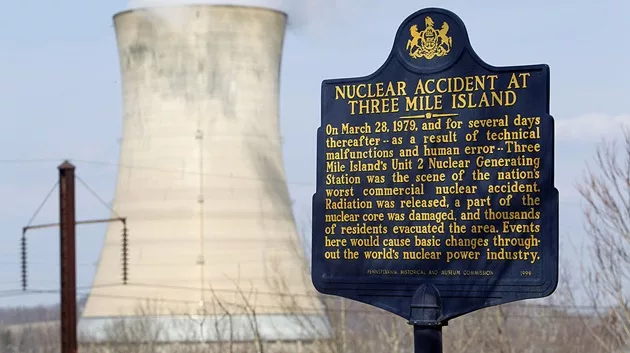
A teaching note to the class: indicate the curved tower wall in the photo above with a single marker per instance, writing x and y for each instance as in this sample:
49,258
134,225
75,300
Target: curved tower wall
202,184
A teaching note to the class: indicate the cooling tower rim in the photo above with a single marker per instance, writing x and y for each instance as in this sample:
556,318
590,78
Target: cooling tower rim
148,8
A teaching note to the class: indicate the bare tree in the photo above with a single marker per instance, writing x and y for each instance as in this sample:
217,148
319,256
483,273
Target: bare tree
606,192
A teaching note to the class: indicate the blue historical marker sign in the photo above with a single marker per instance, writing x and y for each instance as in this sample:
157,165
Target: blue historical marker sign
437,169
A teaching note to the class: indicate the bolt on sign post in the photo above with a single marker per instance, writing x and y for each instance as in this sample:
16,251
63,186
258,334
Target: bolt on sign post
435,183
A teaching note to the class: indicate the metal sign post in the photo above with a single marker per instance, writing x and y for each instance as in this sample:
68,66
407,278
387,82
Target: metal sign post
425,313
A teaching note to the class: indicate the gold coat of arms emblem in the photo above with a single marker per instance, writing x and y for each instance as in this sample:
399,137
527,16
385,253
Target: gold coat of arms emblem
429,42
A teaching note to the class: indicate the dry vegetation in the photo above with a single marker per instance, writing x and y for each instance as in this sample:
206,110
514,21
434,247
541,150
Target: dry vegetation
360,328
606,192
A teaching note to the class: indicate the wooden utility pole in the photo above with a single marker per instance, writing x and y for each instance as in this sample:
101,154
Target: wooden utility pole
67,226
67,235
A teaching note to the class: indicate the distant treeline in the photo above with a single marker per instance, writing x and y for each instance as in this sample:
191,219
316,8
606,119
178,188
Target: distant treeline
33,314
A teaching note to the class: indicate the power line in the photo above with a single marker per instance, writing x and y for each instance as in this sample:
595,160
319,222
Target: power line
20,292
277,294
45,263
100,199
41,205
184,171
15,293
307,309
23,243
192,172
26,161
160,169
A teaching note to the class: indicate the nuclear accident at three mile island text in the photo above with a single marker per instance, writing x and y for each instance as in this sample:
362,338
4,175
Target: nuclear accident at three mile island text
417,173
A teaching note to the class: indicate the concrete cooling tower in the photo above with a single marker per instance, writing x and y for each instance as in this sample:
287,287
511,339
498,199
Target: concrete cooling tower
214,252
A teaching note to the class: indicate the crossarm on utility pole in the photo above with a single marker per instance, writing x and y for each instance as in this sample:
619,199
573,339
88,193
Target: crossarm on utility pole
23,244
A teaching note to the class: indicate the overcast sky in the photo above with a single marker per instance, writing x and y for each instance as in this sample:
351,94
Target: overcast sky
62,99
